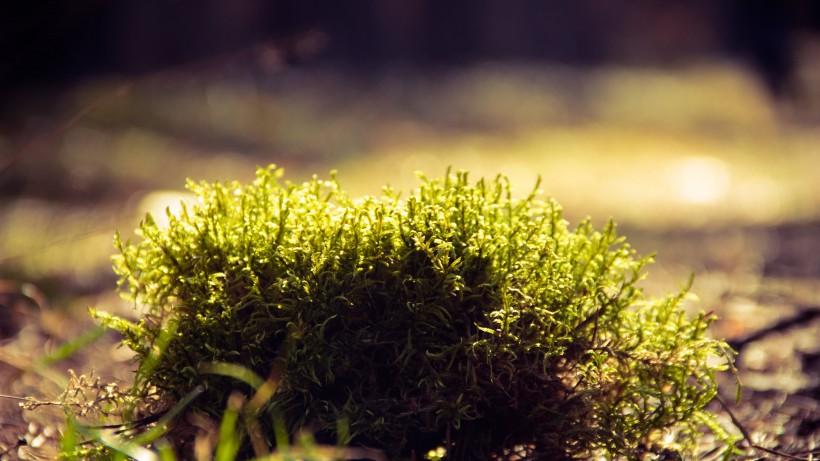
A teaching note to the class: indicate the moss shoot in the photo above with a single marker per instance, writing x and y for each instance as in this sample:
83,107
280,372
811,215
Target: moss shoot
460,318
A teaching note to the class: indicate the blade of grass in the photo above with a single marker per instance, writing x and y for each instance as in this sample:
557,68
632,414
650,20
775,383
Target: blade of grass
69,348
233,370
229,437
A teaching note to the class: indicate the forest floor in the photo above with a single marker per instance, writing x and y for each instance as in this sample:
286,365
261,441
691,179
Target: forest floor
728,192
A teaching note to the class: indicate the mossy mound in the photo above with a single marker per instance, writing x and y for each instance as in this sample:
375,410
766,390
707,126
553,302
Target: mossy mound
458,316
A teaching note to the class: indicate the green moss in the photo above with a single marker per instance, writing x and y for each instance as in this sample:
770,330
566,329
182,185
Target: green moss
457,316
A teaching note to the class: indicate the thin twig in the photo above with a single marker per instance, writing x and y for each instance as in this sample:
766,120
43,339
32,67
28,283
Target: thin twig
806,314
748,438
28,399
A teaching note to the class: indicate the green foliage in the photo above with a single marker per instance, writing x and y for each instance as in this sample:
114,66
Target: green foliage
459,316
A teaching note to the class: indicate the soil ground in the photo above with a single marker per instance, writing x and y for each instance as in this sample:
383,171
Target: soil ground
729,193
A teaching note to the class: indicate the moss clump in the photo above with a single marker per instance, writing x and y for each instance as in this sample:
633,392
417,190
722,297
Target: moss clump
458,316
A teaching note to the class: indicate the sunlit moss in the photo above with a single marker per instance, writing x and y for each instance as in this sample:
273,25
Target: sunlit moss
458,316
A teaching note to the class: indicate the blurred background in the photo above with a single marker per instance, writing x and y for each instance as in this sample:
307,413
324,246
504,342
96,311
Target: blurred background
694,124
